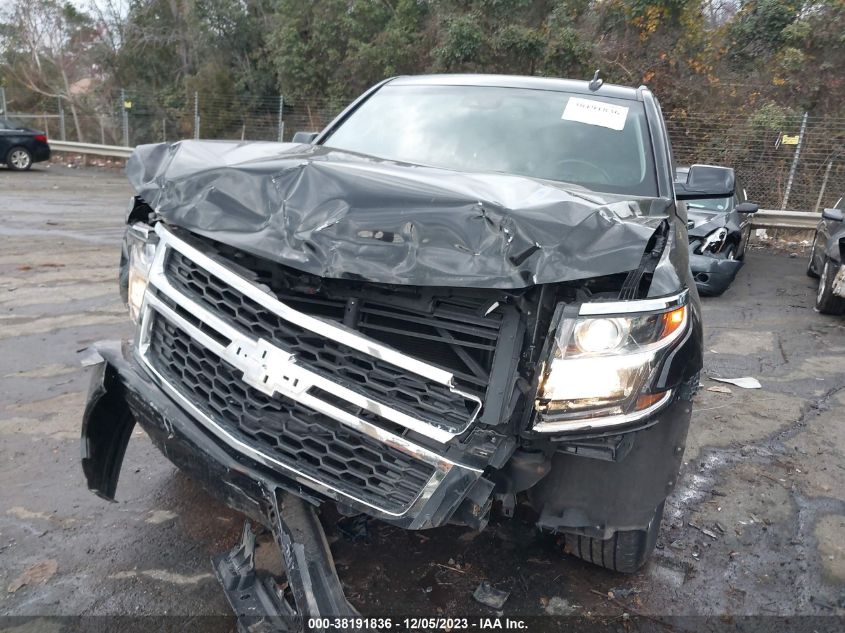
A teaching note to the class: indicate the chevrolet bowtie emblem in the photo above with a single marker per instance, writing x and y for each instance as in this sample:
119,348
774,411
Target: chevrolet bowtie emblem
268,368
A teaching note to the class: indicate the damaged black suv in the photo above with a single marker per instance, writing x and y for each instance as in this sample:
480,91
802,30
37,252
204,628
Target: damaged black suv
466,292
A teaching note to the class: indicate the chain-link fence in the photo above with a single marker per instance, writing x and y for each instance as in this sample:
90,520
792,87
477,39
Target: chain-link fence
795,162
792,161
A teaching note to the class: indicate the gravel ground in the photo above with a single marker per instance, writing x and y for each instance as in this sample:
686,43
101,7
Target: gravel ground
755,526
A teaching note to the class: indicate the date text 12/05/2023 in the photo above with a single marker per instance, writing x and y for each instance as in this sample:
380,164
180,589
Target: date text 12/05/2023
420,624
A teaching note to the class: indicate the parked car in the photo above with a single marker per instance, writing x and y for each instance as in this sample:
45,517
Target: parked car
21,146
465,289
718,226
827,260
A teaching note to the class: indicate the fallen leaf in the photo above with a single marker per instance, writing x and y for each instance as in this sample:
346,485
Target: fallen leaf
719,389
37,574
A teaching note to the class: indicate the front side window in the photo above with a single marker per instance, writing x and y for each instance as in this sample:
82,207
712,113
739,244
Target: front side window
595,142
711,204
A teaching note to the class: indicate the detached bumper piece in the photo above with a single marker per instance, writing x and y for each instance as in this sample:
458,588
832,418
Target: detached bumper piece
713,275
258,601
121,394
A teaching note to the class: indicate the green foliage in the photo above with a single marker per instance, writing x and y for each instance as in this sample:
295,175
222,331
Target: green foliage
760,28
695,55
772,117
462,44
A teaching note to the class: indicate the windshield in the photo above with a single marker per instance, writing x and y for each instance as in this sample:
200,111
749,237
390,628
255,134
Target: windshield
596,142
710,204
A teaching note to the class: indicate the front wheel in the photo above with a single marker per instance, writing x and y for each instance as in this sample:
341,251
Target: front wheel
826,301
626,551
19,159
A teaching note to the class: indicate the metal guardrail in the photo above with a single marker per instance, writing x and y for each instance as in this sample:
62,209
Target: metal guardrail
771,219
764,218
114,151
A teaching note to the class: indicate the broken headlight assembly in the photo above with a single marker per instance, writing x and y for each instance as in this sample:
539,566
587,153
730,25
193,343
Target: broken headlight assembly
602,363
139,250
714,241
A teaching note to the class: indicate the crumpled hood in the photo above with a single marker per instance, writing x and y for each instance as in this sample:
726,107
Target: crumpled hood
342,215
703,222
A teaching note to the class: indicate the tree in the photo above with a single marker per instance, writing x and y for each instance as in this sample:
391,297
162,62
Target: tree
47,49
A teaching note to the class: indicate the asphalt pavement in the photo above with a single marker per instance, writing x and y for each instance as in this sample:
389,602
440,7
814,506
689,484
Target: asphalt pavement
755,527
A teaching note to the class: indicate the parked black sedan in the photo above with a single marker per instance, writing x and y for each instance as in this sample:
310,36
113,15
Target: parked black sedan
827,260
21,146
718,226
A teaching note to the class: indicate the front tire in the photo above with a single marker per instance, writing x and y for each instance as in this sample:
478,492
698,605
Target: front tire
19,159
811,272
826,301
625,552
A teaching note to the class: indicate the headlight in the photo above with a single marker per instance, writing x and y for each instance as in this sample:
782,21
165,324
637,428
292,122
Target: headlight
140,244
602,363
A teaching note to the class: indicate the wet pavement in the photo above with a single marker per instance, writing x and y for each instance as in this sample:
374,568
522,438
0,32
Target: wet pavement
756,525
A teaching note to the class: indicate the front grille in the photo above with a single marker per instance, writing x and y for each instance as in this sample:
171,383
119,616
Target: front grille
304,440
453,332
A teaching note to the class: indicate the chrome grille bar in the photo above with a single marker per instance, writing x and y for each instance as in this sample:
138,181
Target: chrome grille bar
335,332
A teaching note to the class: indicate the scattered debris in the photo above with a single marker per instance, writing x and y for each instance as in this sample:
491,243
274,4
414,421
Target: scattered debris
468,537
160,516
720,527
719,389
679,545
460,571
489,596
703,530
559,606
355,528
746,382
619,592
37,574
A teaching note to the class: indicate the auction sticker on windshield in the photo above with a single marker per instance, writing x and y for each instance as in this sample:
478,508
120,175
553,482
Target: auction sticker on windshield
595,113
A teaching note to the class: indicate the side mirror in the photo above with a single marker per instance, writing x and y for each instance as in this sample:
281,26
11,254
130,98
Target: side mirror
707,181
833,214
747,207
305,137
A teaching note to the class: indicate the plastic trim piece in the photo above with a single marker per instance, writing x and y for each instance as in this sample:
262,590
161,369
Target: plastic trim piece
640,305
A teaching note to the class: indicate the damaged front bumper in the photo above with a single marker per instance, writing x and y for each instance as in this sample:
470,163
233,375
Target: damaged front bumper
713,275
123,393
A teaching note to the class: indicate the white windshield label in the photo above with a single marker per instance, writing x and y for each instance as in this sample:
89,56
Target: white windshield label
595,113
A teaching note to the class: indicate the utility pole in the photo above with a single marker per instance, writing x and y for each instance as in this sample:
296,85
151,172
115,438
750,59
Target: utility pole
61,120
124,118
824,186
3,102
794,163
196,115
281,121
